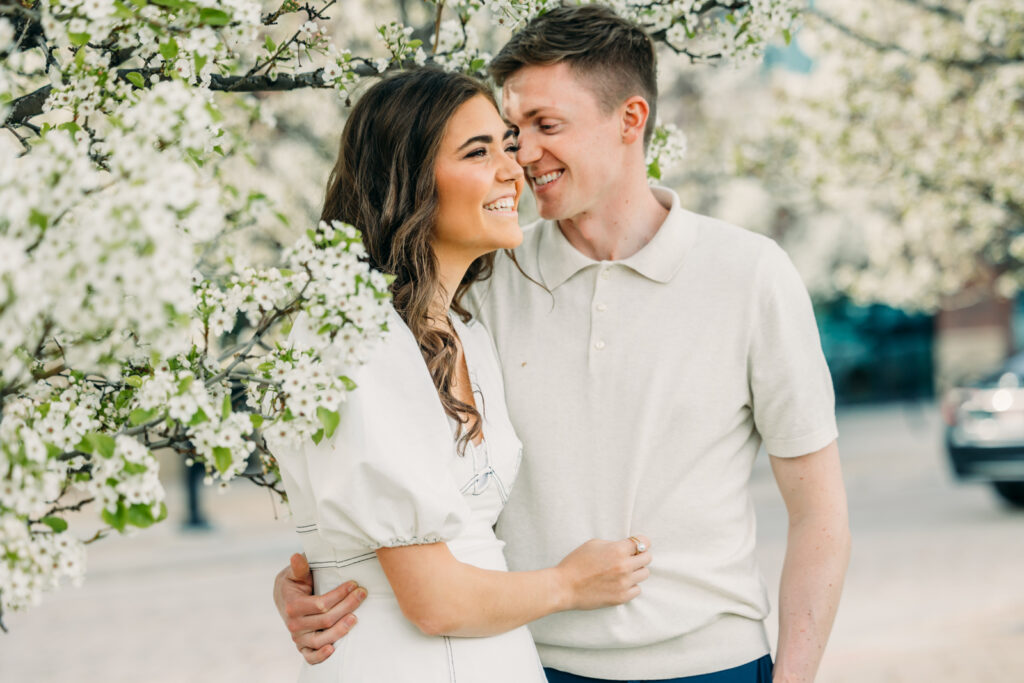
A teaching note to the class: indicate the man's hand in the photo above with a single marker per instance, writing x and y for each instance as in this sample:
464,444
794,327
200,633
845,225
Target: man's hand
315,621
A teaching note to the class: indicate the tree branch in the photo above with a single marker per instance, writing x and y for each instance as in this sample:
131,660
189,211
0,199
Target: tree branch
936,9
437,24
987,59
27,106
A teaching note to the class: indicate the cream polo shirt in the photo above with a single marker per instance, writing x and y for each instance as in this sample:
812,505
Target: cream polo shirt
641,390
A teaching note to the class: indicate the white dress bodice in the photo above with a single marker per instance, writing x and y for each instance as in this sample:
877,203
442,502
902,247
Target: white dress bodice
392,476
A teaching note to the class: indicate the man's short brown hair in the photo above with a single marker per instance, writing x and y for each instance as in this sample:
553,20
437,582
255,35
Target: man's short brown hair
615,55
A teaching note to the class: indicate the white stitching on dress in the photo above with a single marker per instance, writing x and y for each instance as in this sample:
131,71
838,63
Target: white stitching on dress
451,658
347,562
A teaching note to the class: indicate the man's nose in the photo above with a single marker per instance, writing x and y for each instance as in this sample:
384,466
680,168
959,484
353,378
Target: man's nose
529,151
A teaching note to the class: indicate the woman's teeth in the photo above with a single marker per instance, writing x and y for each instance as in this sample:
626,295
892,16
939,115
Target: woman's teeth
546,178
503,204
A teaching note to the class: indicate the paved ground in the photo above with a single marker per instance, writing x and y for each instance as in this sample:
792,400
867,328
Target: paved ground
935,592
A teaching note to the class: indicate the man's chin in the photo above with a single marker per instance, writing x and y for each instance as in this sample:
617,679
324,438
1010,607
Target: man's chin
551,211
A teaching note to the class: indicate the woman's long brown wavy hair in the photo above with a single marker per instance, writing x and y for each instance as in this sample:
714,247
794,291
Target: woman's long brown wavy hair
383,184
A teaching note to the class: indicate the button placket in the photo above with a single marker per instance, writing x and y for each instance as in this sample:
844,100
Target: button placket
597,321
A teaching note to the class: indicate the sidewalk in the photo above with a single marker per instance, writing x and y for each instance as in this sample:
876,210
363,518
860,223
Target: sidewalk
935,591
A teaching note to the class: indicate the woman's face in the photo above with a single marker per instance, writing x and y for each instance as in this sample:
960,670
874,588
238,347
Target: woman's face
478,184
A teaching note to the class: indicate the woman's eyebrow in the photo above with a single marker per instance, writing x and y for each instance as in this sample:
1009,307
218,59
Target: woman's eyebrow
486,139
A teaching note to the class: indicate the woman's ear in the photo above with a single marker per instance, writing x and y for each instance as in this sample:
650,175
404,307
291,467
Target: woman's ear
635,111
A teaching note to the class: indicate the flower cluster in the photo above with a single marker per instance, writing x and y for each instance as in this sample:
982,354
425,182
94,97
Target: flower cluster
344,313
665,151
35,562
919,136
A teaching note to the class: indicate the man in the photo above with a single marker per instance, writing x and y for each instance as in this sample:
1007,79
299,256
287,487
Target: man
665,349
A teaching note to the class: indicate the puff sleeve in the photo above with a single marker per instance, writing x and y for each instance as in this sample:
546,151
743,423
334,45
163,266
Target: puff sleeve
384,477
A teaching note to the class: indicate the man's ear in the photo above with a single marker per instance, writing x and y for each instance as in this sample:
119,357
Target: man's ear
635,111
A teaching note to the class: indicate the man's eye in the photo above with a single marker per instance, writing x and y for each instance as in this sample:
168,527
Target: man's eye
512,149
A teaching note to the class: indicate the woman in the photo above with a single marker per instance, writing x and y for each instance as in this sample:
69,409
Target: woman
404,497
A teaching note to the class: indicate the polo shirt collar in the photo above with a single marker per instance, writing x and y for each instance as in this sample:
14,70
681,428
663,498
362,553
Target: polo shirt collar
659,260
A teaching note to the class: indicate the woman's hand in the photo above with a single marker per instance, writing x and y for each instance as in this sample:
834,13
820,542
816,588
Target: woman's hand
604,573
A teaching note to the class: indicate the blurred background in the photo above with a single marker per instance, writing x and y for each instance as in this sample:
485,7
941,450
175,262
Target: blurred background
882,148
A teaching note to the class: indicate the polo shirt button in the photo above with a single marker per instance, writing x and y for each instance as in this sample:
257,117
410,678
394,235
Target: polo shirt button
602,307
599,345
605,274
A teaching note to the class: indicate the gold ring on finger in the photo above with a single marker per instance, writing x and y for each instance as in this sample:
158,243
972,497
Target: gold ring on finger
640,545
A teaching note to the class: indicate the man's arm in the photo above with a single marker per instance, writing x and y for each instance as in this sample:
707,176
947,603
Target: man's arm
315,621
817,554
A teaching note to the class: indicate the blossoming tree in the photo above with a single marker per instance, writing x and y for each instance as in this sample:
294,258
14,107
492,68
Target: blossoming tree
126,323
911,125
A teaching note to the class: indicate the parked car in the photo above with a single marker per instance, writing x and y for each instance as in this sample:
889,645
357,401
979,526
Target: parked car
985,430
876,353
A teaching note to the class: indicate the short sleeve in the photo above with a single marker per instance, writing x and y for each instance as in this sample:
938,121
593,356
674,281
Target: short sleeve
791,388
383,479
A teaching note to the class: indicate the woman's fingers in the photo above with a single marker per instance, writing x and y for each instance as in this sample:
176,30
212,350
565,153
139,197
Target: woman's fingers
631,545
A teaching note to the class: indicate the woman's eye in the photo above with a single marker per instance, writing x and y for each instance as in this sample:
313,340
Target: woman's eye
477,153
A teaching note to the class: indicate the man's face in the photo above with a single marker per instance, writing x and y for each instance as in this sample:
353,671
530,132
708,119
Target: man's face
569,147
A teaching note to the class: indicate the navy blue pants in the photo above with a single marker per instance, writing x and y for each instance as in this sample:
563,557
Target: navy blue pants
757,671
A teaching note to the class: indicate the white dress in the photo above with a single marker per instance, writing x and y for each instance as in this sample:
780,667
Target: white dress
390,476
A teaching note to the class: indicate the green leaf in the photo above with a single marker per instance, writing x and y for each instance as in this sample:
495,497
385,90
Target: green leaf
140,416
173,4
413,44
163,513
53,451
269,44
349,384
122,11
136,79
329,419
122,398
169,50
787,36
78,39
225,408
214,17
198,418
731,18
101,443
38,219
55,523
135,468
200,61
80,57
118,518
222,458
133,381
140,515
44,409
318,436
185,383
256,419
654,170
477,64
